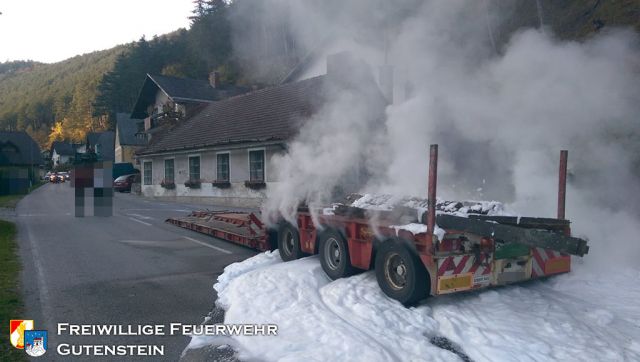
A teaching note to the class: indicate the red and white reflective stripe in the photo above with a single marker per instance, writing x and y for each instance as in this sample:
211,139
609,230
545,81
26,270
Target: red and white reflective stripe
540,257
462,264
255,229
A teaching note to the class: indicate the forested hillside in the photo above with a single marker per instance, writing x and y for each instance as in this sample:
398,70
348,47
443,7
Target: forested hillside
16,66
247,41
65,100
33,96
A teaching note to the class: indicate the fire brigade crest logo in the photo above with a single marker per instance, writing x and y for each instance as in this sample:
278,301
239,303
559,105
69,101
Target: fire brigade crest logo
35,343
17,327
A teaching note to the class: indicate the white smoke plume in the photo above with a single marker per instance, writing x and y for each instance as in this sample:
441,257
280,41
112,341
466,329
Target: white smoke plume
500,118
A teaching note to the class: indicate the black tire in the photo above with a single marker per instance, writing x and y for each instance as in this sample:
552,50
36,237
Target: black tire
289,242
400,273
334,255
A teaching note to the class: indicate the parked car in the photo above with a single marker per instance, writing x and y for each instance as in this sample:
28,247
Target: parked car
124,182
56,178
123,169
47,176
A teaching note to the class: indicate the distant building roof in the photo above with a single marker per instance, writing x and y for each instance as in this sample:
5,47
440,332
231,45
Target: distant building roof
18,148
107,141
127,129
63,148
102,143
92,138
180,90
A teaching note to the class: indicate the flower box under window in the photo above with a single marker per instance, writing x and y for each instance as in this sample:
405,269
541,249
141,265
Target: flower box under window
255,185
221,184
193,184
169,185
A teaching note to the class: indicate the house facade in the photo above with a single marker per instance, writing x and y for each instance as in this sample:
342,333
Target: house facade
62,153
129,138
225,175
224,154
20,159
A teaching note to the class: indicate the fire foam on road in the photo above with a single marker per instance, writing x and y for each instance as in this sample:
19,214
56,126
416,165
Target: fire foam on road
577,316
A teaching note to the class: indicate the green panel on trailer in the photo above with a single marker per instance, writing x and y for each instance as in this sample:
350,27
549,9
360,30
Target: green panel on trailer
511,250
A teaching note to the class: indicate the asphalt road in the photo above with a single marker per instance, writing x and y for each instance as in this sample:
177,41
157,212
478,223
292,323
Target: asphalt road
128,269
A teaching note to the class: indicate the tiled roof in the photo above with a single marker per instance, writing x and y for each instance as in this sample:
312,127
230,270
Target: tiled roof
107,145
106,141
180,90
185,88
18,148
63,148
263,115
127,129
92,138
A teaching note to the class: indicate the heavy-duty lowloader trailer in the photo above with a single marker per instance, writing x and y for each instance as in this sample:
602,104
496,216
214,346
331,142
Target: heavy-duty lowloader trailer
469,252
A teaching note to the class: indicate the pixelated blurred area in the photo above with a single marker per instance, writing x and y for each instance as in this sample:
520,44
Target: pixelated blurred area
92,181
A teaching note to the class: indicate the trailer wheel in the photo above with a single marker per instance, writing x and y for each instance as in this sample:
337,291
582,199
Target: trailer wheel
289,242
400,273
334,255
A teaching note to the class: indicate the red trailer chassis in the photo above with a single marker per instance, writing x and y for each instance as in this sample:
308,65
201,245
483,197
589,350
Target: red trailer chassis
472,252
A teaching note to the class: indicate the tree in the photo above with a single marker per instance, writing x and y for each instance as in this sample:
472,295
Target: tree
199,11
57,133
210,35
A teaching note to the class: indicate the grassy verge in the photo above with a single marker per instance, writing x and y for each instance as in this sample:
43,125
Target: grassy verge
11,306
11,201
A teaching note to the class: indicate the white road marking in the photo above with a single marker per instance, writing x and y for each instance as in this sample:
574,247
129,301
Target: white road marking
140,221
160,210
143,217
208,245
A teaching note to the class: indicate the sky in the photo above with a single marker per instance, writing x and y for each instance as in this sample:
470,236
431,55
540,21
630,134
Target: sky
50,31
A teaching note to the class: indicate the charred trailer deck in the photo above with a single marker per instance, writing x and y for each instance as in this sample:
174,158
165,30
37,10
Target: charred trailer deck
438,254
238,227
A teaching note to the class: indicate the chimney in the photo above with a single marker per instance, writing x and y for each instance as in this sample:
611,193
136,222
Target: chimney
385,79
214,79
340,65
346,69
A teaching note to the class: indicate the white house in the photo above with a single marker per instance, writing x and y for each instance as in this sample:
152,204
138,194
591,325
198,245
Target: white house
222,155
62,153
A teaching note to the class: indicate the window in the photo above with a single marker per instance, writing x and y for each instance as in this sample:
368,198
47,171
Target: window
194,168
256,166
147,172
168,170
222,167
